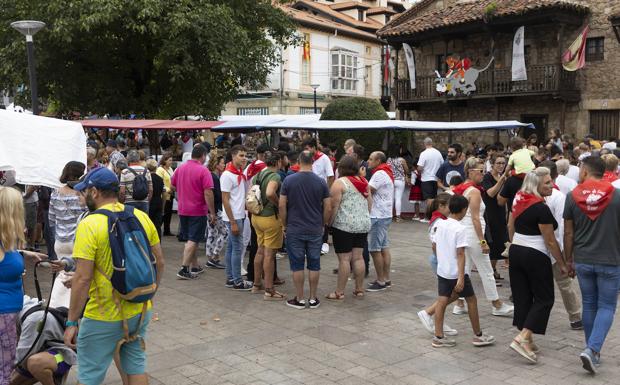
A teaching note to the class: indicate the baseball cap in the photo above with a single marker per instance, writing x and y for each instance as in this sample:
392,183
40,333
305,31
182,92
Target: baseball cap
99,178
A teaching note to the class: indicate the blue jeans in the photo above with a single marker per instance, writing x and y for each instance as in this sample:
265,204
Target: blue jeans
599,297
234,250
304,248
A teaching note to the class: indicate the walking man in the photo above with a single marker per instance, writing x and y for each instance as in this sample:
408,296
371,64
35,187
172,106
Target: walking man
194,186
304,210
592,246
428,165
382,190
102,326
232,183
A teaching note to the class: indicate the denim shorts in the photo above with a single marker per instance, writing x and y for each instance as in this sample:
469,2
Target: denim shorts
192,228
96,344
378,235
302,248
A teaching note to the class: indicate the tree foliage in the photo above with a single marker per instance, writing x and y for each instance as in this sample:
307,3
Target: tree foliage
355,109
157,57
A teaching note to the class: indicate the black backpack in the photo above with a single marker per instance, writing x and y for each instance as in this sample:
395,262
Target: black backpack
140,185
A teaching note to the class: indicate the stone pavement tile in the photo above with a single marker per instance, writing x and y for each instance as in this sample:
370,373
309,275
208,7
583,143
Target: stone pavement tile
239,378
362,372
496,374
271,349
380,351
336,336
353,380
189,370
415,379
369,362
232,359
167,360
176,379
392,371
270,376
214,366
437,371
207,379
332,374
249,367
325,347
346,354
213,349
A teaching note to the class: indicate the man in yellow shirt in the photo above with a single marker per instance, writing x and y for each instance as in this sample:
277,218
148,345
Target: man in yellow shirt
101,328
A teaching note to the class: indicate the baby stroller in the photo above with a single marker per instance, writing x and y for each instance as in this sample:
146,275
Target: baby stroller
41,330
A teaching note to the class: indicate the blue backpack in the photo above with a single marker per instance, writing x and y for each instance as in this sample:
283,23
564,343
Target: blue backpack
134,275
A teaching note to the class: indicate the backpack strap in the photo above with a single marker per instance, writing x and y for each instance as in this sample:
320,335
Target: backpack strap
131,170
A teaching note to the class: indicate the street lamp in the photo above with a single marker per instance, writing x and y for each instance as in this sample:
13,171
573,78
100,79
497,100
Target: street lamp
28,28
314,87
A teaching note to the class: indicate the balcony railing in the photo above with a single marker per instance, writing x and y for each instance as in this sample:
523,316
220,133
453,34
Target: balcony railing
541,79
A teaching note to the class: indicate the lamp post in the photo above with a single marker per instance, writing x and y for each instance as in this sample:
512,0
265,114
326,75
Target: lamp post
314,87
28,28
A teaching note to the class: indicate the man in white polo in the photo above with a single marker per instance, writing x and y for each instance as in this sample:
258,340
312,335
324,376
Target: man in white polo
429,162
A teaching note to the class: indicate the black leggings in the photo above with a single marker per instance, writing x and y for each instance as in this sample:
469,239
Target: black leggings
531,281
167,216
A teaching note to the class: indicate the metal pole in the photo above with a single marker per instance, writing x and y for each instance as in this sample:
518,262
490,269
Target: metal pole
33,75
315,101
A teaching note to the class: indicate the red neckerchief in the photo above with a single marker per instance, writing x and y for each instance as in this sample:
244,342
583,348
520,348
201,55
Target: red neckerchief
593,196
461,188
436,215
610,176
522,202
520,176
385,167
360,183
185,138
294,168
317,155
555,186
255,168
237,171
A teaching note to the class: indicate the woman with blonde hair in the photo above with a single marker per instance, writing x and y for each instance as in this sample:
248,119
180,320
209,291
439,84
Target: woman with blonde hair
478,252
11,269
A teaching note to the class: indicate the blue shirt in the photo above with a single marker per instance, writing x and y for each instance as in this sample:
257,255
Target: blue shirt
11,291
305,192
448,170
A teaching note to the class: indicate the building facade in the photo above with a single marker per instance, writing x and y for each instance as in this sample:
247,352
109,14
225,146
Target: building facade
339,56
475,39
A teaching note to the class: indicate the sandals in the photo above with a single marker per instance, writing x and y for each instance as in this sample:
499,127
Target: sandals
273,295
358,293
258,289
278,282
334,295
524,348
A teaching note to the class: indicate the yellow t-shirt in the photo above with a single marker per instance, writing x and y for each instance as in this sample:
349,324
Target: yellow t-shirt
521,161
93,244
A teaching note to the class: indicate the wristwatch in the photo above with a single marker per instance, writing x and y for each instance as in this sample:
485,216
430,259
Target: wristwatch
483,242
70,323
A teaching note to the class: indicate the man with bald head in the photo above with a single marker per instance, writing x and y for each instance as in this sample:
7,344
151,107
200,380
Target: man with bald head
382,189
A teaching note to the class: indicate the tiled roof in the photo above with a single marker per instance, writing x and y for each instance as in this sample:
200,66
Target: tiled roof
380,10
324,23
369,24
348,5
467,11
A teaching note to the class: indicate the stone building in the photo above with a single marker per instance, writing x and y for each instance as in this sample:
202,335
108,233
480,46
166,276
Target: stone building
482,32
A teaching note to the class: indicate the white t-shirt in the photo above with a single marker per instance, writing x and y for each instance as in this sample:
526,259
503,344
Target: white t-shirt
430,160
187,146
555,201
322,167
229,183
448,236
616,183
565,184
573,173
383,197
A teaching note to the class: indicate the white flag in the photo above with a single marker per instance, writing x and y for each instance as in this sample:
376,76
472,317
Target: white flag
518,56
410,63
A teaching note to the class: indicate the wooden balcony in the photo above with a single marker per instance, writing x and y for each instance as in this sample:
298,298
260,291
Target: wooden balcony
550,80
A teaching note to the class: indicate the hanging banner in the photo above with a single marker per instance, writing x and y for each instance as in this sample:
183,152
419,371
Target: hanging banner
575,57
410,63
518,56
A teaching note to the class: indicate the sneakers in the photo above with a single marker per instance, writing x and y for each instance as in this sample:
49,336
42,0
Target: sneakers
229,283
589,360
483,340
281,255
458,310
314,303
577,325
294,303
424,220
387,283
198,270
215,264
376,286
429,324
324,248
186,275
503,311
243,286
443,342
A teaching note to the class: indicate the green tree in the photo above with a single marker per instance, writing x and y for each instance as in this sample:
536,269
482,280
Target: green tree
157,57
355,109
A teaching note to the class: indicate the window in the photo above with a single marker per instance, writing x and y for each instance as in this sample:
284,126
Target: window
360,15
605,123
344,71
440,63
595,49
368,78
253,111
309,110
368,50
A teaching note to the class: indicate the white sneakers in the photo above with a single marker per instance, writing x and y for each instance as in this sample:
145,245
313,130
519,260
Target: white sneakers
504,310
324,248
429,324
458,310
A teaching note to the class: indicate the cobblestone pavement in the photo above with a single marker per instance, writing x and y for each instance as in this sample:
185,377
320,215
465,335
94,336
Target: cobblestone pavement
208,334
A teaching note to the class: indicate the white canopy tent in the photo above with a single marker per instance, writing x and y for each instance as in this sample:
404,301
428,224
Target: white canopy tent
38,148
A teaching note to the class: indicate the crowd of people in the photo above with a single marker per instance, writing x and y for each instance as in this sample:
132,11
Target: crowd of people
549,212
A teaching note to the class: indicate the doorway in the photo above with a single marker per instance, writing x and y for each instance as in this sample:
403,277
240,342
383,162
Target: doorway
541,126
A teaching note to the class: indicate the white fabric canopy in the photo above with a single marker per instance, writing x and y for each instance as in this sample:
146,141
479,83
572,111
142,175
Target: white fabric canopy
38,148
312,122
